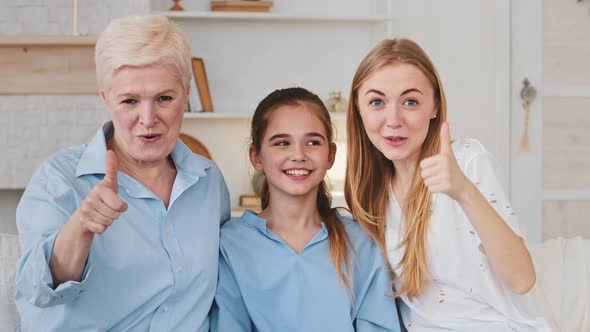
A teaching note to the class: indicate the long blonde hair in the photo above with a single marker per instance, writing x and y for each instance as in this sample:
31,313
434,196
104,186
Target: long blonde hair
369,175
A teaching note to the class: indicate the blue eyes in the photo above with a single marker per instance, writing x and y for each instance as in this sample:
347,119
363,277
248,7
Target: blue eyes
376,102
411,102
129,101
165,98
408,102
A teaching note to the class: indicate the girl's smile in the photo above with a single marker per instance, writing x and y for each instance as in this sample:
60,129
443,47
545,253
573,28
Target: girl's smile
295,152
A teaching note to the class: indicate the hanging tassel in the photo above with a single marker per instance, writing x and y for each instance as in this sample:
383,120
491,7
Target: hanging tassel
524,141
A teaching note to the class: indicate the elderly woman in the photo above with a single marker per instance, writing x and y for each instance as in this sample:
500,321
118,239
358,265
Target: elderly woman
122,233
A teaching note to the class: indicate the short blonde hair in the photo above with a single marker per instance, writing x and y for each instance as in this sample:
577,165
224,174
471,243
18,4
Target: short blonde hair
141,41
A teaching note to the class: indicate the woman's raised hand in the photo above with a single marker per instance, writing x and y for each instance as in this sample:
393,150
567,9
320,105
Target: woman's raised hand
103,205
441,173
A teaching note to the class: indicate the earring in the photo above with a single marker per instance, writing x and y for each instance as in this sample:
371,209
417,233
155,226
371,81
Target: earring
434,116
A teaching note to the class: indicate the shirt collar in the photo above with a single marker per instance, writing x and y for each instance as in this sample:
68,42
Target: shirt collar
251,218
93,158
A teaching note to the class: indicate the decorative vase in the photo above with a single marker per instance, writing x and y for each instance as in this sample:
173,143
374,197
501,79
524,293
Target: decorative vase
335,102
176,6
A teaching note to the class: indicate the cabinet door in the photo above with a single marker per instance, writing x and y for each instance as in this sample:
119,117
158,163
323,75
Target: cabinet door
551,183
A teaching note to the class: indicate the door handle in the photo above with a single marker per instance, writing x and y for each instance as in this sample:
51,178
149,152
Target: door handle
528,94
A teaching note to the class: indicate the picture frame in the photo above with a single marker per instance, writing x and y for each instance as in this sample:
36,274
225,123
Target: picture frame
194,100
202,95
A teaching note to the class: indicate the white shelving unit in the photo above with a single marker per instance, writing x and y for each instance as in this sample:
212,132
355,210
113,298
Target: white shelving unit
313,44
239,116
316,45
216,115
270,16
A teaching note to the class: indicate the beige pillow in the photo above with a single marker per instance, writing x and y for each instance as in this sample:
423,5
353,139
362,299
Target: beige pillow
9,255
562,291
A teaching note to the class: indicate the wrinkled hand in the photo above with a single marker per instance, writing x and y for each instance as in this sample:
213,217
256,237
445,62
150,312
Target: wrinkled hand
103,205
441,173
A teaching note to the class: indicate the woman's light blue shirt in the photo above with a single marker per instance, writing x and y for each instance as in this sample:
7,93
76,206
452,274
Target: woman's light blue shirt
154,269
266,286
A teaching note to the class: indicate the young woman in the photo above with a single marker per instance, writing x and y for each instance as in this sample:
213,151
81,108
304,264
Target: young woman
298,265
436,207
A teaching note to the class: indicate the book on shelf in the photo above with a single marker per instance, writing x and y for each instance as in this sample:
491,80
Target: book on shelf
241,6
202,85
194,100
250,202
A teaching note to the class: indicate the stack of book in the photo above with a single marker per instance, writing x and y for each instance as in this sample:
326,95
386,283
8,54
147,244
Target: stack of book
250,202
241,6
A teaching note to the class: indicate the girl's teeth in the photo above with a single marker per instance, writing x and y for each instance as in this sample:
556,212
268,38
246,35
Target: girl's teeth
297,172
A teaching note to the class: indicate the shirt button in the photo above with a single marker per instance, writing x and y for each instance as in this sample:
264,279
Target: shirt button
180,268
165,308
167,230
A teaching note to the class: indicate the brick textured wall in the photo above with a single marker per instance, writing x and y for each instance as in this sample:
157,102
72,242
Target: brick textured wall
36,126
54,17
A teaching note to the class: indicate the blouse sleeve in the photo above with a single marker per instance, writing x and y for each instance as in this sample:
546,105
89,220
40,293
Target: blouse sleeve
46,205
375,306
482,169
224,198
228,312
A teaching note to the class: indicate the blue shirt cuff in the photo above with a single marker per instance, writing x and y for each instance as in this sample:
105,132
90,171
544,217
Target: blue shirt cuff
36,282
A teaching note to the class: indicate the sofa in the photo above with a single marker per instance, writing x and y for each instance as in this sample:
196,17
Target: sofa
562,291
561,294
9,254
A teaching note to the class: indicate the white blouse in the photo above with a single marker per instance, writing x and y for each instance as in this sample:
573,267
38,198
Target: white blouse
463,293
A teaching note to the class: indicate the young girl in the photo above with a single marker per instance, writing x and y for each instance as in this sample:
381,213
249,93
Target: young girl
298,265
436,208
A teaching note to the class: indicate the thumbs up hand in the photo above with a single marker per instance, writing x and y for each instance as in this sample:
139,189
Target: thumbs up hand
103,205
111,168
441,173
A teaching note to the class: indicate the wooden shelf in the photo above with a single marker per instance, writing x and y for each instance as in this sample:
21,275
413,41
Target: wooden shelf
47,40
271,16
216,115
63,65
338,116
238,116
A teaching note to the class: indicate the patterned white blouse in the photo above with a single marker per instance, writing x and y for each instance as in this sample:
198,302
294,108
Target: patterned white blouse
463,294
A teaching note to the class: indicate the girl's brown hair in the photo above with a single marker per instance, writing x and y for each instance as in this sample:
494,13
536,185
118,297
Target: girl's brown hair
369,175
337,235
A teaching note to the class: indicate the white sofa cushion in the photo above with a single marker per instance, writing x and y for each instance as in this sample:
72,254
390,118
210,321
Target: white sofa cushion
9,255
562,291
